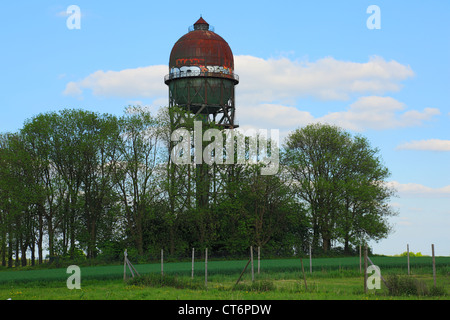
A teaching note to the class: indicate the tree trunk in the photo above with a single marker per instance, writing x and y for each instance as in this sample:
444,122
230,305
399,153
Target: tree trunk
33,254
3,248
41,234
140,237
23,249
346,245
51,250
326,243
10,249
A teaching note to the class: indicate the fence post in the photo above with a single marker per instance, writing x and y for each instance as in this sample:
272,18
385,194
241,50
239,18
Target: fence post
310,260
359,258
365,268
259,254
407,254
206,268
162,262
303,272
125,265
240,276
192,272
251,258
434,265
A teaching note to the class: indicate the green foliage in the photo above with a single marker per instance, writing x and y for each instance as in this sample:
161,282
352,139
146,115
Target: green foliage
437,291
406,285
411,254
158,281
84,185
339,178
403,285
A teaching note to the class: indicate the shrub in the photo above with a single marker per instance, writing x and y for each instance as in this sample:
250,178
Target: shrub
406,285
401,285
156,280
411,254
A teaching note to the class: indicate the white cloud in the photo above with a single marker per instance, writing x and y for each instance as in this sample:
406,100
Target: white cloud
327,79
415,190
374,112
426,145
265,80
269,89
145,82
73,89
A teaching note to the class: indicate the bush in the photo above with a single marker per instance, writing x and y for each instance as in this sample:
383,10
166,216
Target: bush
156,280
401,285
411,254
437,291
406,285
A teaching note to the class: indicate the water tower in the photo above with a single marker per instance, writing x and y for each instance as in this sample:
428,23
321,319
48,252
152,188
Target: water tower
201,82
201,76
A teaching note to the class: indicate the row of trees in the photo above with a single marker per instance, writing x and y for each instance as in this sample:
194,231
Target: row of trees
76,182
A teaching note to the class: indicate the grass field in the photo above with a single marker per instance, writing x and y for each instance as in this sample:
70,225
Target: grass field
332,278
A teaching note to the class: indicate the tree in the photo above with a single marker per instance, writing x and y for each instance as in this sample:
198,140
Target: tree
364,197
74,149
341,178
20,190
97,145
41,141
135,166
268,202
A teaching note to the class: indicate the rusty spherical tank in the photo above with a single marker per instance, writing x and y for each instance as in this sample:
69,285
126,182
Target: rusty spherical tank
201,71
202,50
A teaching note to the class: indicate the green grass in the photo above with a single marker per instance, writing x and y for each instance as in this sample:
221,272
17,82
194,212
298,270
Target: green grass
348,288
346,264
332,278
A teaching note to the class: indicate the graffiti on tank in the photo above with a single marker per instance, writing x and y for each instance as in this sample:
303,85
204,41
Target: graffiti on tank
188,62
200,69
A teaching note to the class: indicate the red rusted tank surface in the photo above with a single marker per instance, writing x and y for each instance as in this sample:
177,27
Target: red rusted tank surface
201,50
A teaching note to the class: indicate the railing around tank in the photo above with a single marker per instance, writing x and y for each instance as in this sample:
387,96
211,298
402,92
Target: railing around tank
176,75
209,28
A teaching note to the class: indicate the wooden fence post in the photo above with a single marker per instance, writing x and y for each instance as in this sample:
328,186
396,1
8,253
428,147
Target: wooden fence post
125,265
162,262
360,259
434,265
365,268
310,260
192,272
251,258
206,267
304,277
240,276
259,254
407,254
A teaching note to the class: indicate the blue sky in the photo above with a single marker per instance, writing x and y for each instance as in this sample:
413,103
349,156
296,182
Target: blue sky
298,61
